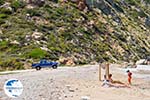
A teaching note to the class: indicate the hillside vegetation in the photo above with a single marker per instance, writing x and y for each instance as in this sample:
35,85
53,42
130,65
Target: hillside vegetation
108,30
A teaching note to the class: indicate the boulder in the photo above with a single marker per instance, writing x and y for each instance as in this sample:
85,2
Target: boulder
45,48
85,98
27,65
38,2
29,6
66,61
27,37
93,63
139,62
81,4
6,5
1,31
15,42
37,35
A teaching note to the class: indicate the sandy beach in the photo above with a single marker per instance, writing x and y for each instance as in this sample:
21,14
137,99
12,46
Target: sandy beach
75,83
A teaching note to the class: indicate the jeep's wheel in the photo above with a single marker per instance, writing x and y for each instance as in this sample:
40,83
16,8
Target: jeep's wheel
54,67
38,68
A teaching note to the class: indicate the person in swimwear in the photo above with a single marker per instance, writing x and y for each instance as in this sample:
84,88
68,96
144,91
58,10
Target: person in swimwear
118,83
112,81
129,76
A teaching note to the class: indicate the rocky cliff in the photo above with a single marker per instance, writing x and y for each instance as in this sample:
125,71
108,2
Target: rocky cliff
85,32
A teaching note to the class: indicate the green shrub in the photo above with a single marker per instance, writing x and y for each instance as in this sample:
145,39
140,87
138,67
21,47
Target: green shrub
3,45
81,62
19,65
132,2
5,11
142,14
33,12
118,8
18,4
37,53
1,2
2,21
2,16
56,1
11,64
147,1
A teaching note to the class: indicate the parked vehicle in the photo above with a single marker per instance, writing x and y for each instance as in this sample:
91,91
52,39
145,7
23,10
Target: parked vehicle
44,64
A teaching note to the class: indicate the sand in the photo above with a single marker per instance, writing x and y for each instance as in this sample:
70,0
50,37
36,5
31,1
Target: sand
75,83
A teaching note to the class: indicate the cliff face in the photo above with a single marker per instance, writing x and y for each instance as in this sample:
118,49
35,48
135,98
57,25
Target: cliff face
104,30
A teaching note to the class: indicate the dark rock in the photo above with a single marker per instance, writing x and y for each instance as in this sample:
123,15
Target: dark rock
71,90
147,21
37,2
117,19
56,1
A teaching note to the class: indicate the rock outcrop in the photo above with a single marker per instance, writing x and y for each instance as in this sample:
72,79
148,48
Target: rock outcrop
82,31
147,21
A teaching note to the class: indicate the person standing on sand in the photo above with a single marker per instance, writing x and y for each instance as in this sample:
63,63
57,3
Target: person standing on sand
129,76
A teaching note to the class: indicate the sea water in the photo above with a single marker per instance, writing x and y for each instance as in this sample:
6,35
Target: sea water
141,71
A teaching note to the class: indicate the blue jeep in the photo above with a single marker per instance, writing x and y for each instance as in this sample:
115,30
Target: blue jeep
45,63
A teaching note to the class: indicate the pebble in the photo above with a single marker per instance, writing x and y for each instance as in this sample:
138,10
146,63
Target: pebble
85,98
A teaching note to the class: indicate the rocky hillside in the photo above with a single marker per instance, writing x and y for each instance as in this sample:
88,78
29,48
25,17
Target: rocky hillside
82,31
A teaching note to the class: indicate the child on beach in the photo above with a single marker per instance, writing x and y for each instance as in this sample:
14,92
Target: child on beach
129,76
